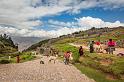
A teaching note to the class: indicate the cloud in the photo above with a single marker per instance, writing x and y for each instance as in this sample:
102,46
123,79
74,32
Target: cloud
38,33
20,12
89,22
18,17
15,12
62,24
63,31
111,4
83,5
82,23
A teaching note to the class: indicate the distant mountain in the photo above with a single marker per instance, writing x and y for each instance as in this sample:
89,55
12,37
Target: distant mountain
34,46
25,42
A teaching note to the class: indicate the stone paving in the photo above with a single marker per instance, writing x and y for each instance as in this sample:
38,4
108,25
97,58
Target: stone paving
33,71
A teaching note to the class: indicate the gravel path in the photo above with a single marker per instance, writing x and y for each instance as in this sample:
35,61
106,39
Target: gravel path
33,71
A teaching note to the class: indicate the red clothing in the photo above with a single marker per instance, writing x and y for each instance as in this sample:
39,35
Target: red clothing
111,43
97,43
67,55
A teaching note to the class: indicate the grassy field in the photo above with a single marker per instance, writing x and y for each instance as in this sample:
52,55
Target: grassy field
67,47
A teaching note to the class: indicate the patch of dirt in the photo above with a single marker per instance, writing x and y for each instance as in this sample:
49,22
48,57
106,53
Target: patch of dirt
110,77
106,62
81,58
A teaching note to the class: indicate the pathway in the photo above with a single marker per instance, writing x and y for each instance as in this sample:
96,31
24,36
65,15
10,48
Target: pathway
33,71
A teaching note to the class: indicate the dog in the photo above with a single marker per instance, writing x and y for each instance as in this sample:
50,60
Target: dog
41,62
53,58
120,54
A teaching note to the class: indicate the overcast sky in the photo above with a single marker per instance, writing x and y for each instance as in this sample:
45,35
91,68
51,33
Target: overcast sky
52,18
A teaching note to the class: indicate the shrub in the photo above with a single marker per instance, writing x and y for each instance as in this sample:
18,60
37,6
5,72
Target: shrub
3,61
66,47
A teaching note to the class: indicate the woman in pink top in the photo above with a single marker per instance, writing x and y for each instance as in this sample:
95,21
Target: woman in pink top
111,46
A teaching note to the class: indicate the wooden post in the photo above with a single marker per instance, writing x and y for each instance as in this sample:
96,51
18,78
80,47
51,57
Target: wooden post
9,57
17,58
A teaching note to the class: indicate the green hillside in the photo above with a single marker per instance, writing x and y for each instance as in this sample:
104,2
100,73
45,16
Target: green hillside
8,48
102,34
7,45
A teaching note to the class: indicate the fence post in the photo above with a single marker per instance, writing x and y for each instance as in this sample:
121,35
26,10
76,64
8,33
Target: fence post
17,58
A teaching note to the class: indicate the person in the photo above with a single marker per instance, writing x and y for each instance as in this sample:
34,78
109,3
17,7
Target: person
111,46
97,46
92,47
71,57
66,57
81,51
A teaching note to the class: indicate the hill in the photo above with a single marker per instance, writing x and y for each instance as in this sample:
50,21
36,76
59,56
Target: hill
34,46
103,34
102,67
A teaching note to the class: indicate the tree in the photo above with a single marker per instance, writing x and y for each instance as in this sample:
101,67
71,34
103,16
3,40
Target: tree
93,28
5,36
6,44
10,42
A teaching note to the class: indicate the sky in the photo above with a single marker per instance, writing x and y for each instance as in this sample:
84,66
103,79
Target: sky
53,18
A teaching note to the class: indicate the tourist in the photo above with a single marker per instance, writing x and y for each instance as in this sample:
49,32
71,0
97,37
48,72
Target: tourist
66,57
97,46
92,47
111,46
81,51
71,57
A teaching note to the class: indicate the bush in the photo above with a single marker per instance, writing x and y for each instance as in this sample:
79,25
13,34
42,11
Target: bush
26,56
3,61
67,47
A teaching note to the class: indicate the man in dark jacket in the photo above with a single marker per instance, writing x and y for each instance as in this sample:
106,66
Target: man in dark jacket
81,51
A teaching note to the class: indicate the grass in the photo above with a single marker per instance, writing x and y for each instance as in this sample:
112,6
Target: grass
25,56
67,47
97,75
105,62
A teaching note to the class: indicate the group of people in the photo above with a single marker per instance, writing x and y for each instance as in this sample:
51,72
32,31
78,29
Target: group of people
93,47
97,46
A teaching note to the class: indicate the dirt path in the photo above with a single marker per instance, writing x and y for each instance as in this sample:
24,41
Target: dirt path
33,71
117,50
78,45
